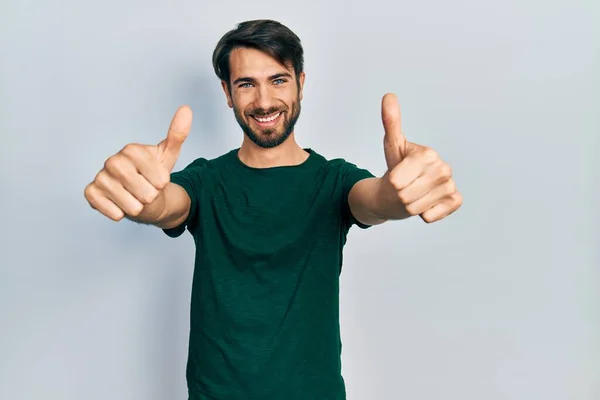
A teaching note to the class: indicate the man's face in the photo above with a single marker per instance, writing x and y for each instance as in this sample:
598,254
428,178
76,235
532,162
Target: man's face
265,96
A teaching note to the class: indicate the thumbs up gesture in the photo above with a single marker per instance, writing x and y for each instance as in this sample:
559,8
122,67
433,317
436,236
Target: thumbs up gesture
134,177
416,179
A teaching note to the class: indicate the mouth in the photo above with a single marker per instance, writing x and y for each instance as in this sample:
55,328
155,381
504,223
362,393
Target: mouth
267,121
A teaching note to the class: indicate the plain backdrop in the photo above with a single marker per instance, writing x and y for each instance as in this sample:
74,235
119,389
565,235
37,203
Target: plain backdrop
500,301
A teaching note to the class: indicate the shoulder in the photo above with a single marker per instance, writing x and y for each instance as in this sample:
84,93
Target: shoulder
203,163
339,165
328,163
223,159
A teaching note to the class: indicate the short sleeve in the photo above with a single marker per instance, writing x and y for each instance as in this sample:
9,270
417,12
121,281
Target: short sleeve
189,179
350,175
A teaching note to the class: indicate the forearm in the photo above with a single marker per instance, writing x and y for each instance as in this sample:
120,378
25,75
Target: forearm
373,202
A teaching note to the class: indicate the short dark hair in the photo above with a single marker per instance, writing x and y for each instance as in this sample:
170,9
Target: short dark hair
268,36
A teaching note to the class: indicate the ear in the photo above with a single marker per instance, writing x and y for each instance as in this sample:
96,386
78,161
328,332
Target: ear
227,94
301,77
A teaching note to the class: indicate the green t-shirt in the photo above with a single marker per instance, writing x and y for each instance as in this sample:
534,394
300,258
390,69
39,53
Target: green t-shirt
265,291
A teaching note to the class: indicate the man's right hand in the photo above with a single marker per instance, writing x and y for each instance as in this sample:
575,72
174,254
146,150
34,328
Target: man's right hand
133,178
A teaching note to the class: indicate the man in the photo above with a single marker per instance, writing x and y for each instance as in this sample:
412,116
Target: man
269,221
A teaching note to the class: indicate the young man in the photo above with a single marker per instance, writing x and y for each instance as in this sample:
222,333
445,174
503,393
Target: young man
269,221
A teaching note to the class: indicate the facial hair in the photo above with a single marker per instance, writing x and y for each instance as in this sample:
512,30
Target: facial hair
271,137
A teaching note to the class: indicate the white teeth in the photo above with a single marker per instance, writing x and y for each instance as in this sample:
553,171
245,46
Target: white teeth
272,118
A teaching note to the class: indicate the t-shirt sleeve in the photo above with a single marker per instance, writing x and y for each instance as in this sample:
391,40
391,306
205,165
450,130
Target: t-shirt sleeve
190,180
350,175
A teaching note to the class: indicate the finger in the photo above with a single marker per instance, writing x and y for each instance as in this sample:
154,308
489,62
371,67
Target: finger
123,170
436,195
417,189
442,209
406,172
178,132
140,188
394,142
434,175
102,204
115,192
145,163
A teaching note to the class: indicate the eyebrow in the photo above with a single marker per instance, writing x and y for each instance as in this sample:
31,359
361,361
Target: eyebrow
271,78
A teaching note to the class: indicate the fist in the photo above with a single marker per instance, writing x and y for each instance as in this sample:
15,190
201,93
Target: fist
134,177
421,181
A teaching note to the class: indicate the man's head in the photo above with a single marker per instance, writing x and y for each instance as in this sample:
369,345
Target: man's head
261,66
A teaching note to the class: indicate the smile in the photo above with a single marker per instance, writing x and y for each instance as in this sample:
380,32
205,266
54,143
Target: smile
268,121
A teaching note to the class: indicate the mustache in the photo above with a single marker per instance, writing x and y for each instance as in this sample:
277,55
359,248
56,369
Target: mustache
259,112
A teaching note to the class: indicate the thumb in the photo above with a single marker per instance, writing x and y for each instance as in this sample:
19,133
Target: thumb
179,129
394,141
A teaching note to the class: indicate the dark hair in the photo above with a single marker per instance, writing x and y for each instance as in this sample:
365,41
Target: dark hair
268,36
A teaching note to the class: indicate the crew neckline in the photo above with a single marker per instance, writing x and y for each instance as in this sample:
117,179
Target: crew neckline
311,156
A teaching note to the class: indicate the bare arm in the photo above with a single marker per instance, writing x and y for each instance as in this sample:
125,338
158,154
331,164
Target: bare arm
372,205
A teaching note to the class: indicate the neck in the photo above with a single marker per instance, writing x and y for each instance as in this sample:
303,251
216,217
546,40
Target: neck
289,153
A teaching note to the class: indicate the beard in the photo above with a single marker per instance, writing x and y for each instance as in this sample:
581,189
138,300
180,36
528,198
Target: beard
269,137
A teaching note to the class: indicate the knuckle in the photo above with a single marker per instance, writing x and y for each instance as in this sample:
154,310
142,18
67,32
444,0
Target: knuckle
393,180
131,149
112,163
445,170
429,155
458,199
116,216
102,179
163,182
412,210
135,209
450,186
428,218
403,196
150,196
163,179
88,192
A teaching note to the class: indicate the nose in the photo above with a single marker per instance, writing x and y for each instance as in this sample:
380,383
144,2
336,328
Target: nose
264,98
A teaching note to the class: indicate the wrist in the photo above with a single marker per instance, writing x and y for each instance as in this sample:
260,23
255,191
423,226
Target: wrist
154,212
387,204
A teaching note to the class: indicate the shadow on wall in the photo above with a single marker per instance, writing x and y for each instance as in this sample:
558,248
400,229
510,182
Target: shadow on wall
169,311
203,93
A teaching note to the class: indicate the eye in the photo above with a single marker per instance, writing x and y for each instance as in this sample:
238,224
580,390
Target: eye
243,85
282,81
